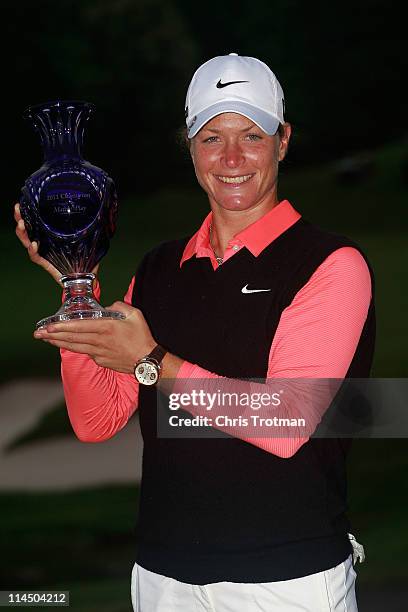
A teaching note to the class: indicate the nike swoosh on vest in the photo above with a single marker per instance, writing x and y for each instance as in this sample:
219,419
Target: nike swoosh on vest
246,290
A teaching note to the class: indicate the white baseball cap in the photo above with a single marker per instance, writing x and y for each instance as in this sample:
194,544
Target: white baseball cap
234,84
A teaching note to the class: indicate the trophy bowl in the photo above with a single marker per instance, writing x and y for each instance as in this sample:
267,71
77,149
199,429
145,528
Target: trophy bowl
69,207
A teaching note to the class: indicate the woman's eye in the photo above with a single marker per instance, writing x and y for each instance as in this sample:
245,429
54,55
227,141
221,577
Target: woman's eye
254,137
211,139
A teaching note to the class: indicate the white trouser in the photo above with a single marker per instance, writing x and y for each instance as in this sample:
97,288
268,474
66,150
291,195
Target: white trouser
329,591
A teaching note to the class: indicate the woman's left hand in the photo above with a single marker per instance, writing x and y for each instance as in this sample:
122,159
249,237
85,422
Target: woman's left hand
112,343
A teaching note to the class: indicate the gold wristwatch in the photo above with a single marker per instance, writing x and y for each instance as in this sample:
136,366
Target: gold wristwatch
147,370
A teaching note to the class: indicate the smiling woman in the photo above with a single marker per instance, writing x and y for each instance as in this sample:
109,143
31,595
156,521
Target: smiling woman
236,163
256,293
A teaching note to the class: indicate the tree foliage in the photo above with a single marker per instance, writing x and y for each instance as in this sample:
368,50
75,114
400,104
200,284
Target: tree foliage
340,63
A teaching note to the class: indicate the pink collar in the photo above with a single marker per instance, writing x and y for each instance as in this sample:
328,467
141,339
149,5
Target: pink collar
256,237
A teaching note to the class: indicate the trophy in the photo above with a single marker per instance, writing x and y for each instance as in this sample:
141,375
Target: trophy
69,207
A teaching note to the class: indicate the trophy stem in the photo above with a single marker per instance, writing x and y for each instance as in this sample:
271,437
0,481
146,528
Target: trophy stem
79,302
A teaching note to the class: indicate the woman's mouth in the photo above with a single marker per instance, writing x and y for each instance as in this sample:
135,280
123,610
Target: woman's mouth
234,180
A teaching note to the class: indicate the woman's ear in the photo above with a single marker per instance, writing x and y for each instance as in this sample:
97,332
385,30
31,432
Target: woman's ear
284,141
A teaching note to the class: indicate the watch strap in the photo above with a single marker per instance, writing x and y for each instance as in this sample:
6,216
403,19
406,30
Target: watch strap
157,353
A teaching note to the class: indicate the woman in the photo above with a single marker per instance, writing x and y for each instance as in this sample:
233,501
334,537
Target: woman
248,522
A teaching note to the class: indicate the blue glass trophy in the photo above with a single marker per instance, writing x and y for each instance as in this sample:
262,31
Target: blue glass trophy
69,207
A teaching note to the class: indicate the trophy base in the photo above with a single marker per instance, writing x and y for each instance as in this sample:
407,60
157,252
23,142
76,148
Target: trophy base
79,302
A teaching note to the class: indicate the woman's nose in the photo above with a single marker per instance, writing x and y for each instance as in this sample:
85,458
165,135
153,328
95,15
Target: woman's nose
233,156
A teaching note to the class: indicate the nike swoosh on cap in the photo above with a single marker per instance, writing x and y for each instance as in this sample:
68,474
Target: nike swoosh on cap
221,85
246,290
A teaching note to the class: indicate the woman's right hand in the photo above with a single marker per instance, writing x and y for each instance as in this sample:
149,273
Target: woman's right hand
32,247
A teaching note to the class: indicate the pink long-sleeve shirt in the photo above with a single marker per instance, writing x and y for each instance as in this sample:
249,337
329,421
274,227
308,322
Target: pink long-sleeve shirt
316,337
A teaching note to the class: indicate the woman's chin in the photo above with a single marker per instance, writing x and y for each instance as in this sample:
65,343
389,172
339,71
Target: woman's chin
235,202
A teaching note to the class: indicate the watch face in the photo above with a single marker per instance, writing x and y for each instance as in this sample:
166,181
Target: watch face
146,373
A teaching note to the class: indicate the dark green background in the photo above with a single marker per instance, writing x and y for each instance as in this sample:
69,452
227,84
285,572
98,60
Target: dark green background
342,65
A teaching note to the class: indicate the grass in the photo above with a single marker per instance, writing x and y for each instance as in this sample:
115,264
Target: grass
387,252
374,202
83,539
108,595
378,498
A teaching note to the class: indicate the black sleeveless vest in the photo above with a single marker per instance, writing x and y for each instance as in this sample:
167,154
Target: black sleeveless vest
221,509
